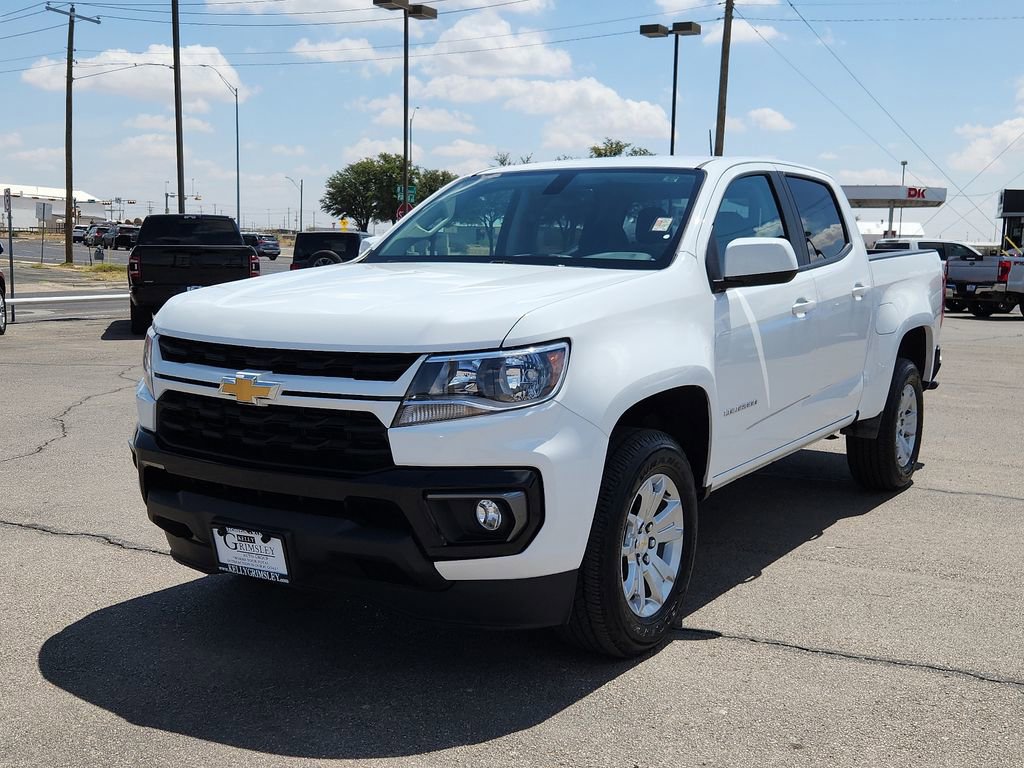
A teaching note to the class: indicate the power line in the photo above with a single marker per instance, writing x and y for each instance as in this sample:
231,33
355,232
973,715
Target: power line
374,20
31,32
19,10
886,19
23,16
888,114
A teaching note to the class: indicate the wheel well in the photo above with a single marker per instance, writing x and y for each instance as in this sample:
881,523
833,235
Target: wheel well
914,347
683,414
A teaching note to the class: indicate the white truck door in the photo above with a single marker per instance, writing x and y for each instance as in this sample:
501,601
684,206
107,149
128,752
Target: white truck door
765,341
842,274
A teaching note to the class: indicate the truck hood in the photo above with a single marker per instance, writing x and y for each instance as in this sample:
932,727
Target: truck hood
381,307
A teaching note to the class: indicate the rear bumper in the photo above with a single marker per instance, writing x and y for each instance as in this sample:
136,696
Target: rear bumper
964,291
377,534
153,297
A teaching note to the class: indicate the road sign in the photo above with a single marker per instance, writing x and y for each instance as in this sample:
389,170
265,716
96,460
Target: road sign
403,209
43,211
412,193
7,200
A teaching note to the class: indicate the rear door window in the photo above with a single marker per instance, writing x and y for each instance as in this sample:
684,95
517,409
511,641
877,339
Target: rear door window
957,251
346,245
188,230
824,230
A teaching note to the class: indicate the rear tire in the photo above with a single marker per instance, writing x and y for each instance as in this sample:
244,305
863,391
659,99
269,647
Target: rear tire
952,305
981,310
324,259
3,314
141,319
887,462
640,554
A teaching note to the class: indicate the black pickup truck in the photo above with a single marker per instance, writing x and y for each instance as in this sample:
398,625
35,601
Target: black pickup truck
181,252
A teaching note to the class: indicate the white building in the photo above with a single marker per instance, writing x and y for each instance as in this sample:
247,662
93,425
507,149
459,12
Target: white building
24,199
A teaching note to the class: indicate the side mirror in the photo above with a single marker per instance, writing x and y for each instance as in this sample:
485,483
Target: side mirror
758,261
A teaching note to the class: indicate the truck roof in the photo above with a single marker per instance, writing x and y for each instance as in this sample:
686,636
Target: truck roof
648,161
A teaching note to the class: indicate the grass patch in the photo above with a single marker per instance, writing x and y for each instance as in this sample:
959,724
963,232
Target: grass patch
105,272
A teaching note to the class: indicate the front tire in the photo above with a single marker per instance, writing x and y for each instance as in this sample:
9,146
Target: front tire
141,318
640,554
3,314
887,462
981,310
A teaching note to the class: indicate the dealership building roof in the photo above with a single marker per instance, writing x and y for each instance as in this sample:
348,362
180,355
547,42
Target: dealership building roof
47,193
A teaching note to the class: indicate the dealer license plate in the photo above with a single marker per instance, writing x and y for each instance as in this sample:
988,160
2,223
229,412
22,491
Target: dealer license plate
250,553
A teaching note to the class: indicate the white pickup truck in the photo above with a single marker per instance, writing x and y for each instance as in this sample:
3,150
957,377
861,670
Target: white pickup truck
506,412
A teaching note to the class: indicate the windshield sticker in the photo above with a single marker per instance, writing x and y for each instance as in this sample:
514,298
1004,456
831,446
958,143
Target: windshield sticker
661,224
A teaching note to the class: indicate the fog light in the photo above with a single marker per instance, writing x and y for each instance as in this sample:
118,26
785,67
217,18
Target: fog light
488,514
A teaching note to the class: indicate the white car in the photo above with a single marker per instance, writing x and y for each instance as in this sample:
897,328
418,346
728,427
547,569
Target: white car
507,411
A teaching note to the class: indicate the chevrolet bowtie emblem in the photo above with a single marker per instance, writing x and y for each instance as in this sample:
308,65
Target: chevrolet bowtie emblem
248,388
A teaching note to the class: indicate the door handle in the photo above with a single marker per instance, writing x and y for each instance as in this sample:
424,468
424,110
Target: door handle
860,291
803,306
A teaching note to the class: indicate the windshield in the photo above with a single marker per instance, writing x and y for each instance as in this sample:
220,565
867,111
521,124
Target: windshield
623,218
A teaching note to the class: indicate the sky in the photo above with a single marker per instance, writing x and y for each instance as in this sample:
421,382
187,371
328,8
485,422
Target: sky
852,87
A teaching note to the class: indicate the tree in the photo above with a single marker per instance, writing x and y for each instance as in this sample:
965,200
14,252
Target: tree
503,159
365,190
432,180
617,147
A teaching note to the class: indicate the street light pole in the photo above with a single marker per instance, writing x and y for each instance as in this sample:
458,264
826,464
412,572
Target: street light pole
238,166
298,186
679,29
424,12
903,183
414,111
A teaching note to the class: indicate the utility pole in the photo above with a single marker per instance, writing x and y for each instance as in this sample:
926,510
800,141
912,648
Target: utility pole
178,140
69,204
723,79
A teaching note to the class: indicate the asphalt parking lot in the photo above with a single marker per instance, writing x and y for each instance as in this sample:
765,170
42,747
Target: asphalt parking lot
825,626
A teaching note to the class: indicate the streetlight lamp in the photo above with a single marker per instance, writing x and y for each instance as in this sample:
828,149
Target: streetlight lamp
679,29
414,111
238,173
424,12
298,187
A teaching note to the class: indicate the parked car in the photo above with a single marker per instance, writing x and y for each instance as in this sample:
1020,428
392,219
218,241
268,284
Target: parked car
121,236
982,284
265,245
320,249
94,236
78,233
176,253
511,423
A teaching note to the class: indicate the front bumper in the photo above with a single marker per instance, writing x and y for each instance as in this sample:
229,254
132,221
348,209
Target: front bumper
379,533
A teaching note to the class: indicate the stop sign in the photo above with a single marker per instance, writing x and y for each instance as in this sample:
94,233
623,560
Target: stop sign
403,209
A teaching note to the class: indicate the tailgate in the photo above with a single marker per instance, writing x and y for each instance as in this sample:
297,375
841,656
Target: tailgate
192,265
974,271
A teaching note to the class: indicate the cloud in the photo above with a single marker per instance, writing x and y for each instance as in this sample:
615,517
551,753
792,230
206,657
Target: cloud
288,151
196,106
768,119
742,32
146,122
389,112
41,158
366,147
8,140
671,6
582,112
483,43
344,6
146,75
735,125
497,50
985,143
828,156
462,148
354,50
151,145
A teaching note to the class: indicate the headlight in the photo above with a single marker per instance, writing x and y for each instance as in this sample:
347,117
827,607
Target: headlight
456,386
147,362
